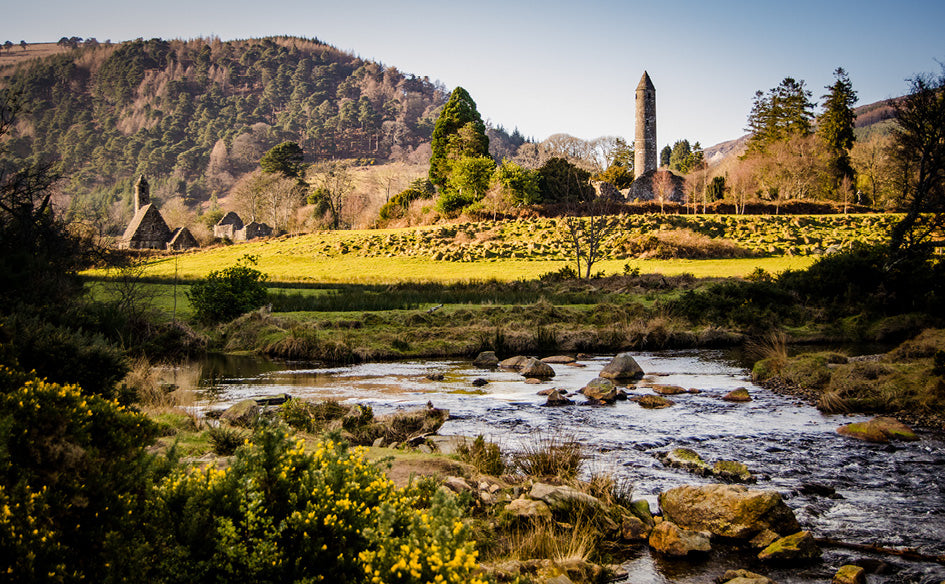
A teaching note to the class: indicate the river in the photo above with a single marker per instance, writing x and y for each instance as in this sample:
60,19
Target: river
887,495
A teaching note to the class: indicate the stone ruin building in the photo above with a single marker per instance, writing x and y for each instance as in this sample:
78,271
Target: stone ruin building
231,227
650,183
148,230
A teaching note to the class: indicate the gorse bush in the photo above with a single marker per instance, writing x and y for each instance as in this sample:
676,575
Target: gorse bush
281,514
74,477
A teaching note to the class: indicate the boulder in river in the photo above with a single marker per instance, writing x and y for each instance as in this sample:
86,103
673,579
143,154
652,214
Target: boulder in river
624,367
850,574
653,402
559,360
486,359
672,540
686,459
797,547
732,470
881,429
600,389
556,398
728,510
535,369
737,395
515,363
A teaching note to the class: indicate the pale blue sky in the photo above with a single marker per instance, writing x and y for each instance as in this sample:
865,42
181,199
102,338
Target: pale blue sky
554,66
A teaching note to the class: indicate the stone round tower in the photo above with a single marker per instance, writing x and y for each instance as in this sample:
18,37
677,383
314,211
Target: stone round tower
142,193
644,157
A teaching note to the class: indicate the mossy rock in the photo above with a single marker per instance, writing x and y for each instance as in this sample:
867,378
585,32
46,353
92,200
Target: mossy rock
798,547
732,470
850,574
653,402
881,430
687,459
737,395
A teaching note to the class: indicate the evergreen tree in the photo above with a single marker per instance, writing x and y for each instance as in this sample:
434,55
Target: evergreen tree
835,124
459,132
783,112
665,155
286,159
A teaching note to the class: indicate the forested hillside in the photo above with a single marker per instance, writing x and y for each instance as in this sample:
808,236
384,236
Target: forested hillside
195,115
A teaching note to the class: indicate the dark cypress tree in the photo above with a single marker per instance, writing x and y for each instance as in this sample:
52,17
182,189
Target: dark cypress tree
449,143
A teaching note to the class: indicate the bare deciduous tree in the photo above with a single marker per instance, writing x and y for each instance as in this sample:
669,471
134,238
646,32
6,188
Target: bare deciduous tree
589,235
333,184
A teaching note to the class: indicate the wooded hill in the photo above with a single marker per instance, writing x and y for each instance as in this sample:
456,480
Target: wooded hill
195,115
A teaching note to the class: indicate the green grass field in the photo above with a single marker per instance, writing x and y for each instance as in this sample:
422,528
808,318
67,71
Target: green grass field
353,269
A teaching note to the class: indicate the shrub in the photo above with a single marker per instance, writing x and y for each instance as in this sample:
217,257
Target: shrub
279,514
230,292
73,475
485,456
225,439
63,355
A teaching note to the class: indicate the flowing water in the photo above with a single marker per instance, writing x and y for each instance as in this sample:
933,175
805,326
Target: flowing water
887,495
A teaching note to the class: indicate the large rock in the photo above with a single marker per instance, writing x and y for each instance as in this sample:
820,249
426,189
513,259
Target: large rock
529,509
515,363
686,459
486,359
600,389
535,369
667,389
556,398
880,429
562,498
737,395
623,367
728,510
672,540
632,528
244,413
798,547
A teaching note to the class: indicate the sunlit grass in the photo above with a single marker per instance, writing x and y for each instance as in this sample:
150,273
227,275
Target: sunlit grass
282,266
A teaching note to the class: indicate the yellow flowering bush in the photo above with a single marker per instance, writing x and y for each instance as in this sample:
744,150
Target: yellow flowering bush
73,471
281,513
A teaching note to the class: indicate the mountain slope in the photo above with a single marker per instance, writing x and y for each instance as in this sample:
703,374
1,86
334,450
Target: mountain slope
194,115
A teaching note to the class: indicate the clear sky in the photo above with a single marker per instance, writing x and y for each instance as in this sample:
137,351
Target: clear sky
552,66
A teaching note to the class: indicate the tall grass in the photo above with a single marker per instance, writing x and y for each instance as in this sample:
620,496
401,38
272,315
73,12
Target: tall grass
550,455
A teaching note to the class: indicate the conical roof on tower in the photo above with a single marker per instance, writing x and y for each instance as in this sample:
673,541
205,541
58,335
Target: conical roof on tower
645,82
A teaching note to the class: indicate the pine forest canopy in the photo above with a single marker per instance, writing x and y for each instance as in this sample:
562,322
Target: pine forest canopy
202,112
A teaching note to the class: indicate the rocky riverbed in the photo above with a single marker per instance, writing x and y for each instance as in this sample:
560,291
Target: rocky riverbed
839,488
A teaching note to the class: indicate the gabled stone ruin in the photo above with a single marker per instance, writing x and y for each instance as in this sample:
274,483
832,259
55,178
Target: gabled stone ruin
148,230
231,227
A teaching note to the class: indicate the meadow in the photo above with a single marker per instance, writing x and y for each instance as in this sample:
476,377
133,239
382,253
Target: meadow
524,249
